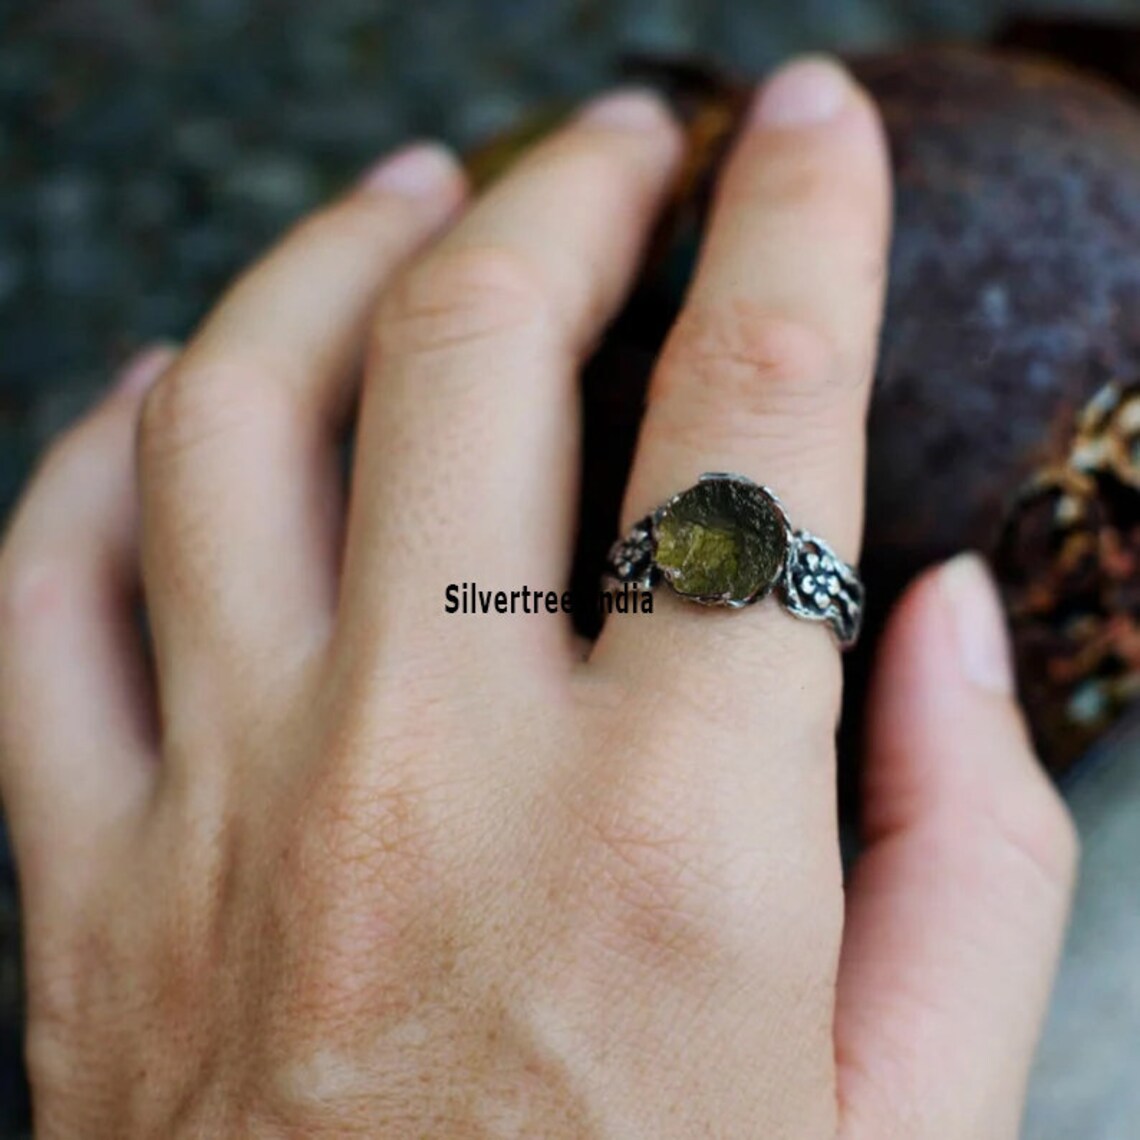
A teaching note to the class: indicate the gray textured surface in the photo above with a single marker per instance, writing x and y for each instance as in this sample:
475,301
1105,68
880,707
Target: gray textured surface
1087,1080
147,150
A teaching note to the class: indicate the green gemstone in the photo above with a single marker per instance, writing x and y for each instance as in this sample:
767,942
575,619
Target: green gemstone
722,538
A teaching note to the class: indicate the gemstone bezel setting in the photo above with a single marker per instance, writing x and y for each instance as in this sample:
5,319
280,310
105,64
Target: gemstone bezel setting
724,541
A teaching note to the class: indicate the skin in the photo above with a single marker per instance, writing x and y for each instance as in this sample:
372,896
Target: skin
331,862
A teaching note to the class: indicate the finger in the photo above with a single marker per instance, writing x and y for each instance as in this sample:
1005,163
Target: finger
767,371
76,721
240,483
467,460
959,903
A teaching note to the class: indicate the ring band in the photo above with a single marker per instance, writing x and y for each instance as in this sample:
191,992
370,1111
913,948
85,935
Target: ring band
727,541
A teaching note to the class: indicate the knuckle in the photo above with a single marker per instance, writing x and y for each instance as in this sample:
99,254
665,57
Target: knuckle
63,451
461,297
666,881
588,167
1036,827
654,893
360,220
760,361
36,581
648,911
804,182
663,891
73,452
363,837
381,827
30,590
314,227
57,1006
801,182
195,406
47,1056
606,173
361,880
743,376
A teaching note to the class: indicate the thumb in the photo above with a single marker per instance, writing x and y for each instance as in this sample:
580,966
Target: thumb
958,905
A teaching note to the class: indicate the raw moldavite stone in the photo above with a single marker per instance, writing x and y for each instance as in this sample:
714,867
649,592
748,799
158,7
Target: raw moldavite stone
722,538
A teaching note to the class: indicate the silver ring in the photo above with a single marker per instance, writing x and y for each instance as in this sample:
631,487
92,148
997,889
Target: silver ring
727,541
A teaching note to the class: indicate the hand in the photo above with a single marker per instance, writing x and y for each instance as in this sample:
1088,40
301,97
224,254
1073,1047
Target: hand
334,862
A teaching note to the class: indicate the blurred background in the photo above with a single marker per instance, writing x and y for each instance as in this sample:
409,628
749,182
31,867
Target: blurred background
148,149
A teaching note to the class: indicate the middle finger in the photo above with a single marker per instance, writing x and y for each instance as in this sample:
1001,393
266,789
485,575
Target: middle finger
469,422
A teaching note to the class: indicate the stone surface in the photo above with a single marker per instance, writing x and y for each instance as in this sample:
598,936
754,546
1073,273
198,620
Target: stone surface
1084,1085
721,539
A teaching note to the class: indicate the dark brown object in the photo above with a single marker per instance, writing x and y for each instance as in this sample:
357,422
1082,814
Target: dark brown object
1097,43
1014,298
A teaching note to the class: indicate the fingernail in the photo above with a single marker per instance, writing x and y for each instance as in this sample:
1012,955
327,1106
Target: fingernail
144,368
802,93
628,108
979,623
421,170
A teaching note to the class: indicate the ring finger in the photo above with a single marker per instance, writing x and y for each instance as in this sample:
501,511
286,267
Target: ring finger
767,373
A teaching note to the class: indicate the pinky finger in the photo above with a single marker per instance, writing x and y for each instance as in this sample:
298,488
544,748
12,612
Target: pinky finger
76,723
